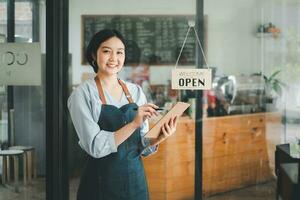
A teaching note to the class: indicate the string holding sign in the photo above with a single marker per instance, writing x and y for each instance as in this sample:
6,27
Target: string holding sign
191,79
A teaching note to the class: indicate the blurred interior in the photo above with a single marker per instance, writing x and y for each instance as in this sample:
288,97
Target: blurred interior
252,46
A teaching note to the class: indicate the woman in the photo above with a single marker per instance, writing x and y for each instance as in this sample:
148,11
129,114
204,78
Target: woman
110,118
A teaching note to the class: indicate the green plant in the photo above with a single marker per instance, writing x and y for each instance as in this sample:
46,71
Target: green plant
274,86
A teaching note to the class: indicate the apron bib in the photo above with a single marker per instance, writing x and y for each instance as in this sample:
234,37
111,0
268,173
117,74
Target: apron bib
120,175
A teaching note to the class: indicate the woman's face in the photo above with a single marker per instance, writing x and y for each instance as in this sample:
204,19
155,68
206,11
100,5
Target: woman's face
111,56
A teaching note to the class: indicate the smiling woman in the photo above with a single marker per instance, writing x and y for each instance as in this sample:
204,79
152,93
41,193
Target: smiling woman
107,45
110,118
110,56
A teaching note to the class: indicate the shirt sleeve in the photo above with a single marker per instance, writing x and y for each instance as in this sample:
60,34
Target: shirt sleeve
97,143
141,100
148,150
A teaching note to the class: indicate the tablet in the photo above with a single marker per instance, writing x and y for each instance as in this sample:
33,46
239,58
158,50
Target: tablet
176,110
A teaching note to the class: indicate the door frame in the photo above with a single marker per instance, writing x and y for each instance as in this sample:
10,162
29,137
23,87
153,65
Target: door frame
199,104
57,47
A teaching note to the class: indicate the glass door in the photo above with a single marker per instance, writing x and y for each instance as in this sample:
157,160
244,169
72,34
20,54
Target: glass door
22,106
154,32
253,105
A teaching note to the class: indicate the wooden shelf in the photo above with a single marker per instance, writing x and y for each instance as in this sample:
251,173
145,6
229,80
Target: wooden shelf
268,35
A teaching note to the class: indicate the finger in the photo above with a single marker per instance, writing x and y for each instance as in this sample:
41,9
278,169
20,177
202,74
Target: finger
149,114
175,121
168,128
149,105
146,118
145,111
150,109
152,105
153,108
145,114
153,111
164,131
171,123
172,127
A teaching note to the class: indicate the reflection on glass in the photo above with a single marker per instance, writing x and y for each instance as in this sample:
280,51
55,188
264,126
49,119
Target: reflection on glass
3,92
27,115
23,21
254,102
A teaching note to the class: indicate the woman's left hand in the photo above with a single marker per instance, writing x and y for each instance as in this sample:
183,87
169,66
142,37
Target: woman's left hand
168,129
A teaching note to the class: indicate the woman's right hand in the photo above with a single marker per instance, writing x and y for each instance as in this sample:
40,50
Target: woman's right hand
144,112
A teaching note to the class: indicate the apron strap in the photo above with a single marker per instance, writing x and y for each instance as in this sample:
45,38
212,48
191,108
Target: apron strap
125,89
101,93
100,90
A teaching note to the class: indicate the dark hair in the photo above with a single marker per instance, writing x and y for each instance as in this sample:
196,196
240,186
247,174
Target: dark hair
96,41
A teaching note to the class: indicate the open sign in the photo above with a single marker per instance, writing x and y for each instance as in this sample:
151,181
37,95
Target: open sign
191,79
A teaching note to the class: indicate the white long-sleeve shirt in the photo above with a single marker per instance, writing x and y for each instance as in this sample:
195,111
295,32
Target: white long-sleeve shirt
85,107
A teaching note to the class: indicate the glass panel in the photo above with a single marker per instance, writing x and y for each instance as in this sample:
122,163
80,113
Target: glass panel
3,92
154,32
23,20
254,105
3,117
27,117
3,20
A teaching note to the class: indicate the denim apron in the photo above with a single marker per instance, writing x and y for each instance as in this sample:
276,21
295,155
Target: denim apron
120,175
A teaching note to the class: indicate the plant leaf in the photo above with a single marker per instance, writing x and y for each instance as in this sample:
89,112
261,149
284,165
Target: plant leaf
282,84
277,88
274,74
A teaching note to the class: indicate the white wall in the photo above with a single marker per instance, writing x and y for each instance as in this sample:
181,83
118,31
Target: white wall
126,7
232,45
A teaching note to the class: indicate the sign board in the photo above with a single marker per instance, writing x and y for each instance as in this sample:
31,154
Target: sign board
191,79
152,33
20,64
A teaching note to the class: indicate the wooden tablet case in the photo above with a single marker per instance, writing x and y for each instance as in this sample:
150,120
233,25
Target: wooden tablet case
177,110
